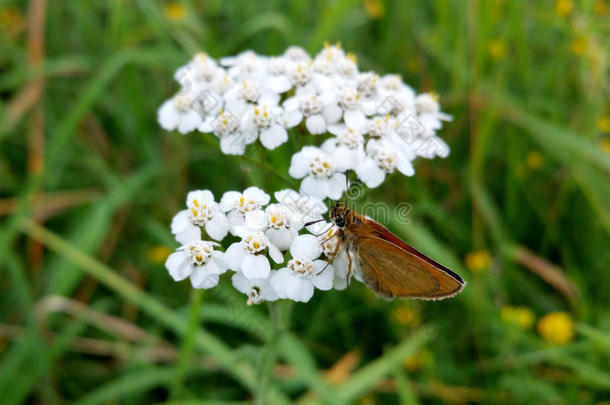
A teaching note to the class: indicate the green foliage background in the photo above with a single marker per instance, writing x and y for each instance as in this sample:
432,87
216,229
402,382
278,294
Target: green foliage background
527,182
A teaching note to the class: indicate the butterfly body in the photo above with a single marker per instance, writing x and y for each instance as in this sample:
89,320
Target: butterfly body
389,266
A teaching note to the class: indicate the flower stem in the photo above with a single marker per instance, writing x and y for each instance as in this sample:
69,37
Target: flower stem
279,314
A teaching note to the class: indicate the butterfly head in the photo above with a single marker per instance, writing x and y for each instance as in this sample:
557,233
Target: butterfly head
340,215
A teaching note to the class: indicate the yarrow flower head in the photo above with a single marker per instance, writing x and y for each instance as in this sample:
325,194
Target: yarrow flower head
340,117
250,97
249,256
237,205
201,212
296,281
199,261
321,170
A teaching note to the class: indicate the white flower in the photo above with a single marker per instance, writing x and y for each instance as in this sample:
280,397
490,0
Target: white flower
265,121
395,96
382,158
380,127
346,146
429,111
277,71
245,65
227,127
322,172
305,207
178,113
199,73
248,255
297,54
303,272
318,109
199,261
257,289
354,110
201,211
429,146
347,67
237,205
278,223
331,53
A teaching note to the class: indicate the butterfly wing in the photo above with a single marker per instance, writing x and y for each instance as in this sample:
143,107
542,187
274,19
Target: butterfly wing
395,269
391,272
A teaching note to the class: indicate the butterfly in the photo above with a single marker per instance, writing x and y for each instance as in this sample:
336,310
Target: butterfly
387,265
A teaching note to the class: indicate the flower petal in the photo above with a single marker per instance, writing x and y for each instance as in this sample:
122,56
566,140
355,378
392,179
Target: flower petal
405,167
275,254
255,266
256,194
241,283
178,265
316,124
234,256
189,122
332,113
323,275
354,118
336,186
217,227
306,247
370,173
273,137
282,238
315,187
202,196
291,119
179,222
229,200
280,84
189,234
199,279
299,165
168,116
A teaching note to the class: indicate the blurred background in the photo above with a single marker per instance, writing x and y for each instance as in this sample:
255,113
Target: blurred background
521,208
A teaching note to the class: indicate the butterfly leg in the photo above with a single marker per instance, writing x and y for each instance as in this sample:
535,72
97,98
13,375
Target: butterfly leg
349,266
324,231
336,251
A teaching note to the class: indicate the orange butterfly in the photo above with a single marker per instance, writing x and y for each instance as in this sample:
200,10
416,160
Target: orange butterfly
389,266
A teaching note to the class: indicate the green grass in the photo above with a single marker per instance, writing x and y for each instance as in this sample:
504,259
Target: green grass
527,181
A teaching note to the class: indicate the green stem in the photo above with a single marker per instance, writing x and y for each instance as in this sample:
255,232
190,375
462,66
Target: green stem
278,314
186,348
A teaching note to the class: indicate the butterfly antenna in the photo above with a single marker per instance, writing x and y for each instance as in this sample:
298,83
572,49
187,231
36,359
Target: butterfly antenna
314,222
346,185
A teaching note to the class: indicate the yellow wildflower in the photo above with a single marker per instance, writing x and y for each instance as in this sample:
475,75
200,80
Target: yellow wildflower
12,21
497,48
158,254
603,124
374,8
405,315
534,160
556,328
563,7
580,45
600,8
175,11
418,360
478,261
521,316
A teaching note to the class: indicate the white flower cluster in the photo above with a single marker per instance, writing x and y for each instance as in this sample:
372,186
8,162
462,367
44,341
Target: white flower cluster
376,124
372,125
270,258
